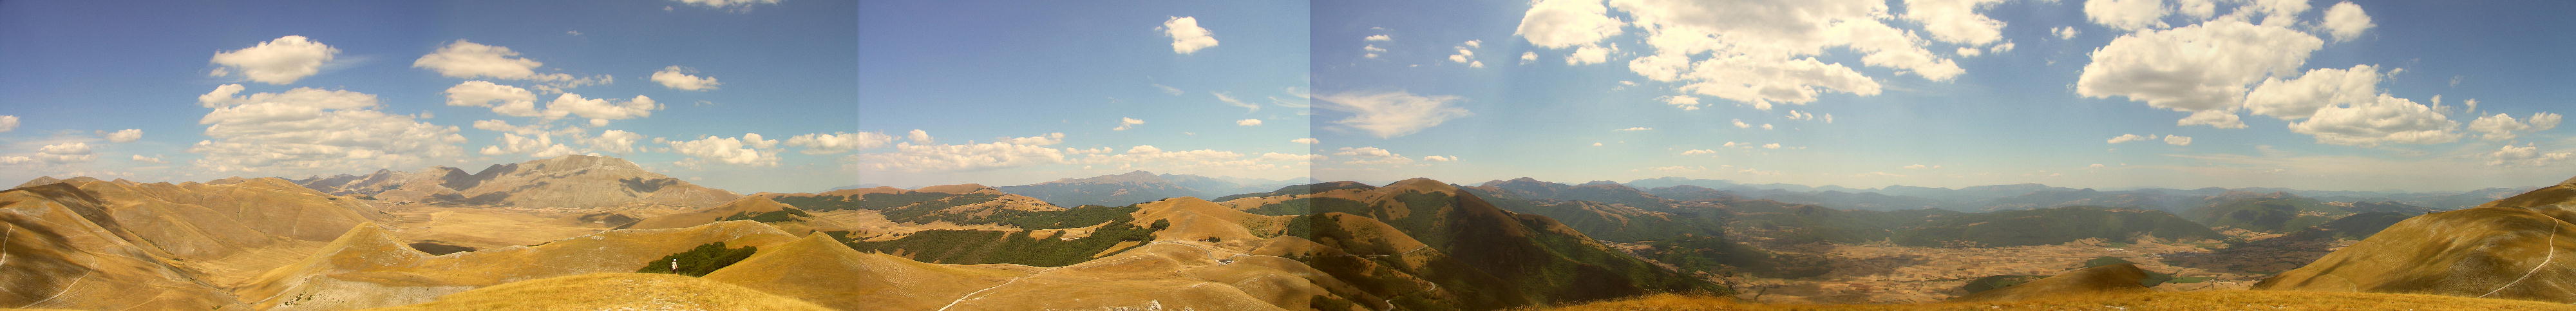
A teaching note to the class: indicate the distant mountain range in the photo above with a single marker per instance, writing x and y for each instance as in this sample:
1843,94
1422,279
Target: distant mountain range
1141,186
572,181
2030,195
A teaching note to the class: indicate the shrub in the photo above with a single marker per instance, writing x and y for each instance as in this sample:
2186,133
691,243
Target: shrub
706,258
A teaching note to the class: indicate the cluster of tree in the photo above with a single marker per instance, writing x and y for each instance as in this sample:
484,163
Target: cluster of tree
780,215
1077,217
700,261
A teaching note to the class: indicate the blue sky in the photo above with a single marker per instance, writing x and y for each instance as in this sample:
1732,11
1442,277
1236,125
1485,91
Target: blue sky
77,73
2108,94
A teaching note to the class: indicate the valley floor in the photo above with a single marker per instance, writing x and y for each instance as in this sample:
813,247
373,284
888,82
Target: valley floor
1882,273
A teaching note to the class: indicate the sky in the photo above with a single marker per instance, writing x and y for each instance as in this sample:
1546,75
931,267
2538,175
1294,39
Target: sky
747,96
757,95
2113,94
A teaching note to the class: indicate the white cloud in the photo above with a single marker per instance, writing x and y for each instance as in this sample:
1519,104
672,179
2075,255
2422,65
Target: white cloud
2127,14
2178,140
152,159
730,5
1771,146
539,146
746,150
1391,114
8,123
2299,98
1439,158
2345,21
1127,123
1229,100
1766,126
601,108
1566,23
1631,129
1248,122
2202,69
1186,35
1040,140
1167,89
2065,33
1588,54
1378,38
920,137
1685,102
279,61
1467,55
1739,123
2384,120
478,93
1371,156
830,143
1762,55
2504,127
1698,152
465,59
65,153
680,78
2130,138
1797,115
308,131
1529,57
1970,52
1309,141
910,157
129,135
1371,51
1922,167
2527,155
1956,21
614,141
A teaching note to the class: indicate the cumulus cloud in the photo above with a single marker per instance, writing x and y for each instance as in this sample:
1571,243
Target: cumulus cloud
313,131
1378,38
911,157
1529,57
613,141
1187,36
479,93
465,59
151,159
2504,127
831,143
1632,129
2345,21
1685,102
2526,155
65,153
280,61
2202,69
1309,141
746,150
1956,21
1588,54
1125,123
2383,120
1739,123
130,135
921,137
1391,114
1467,54
538,146
8,123
1439,158
681,78
2299,98
1698,152
1248,122
1566,23
2065,33
1371,51
2177,140
2127,14
1040,140
601,108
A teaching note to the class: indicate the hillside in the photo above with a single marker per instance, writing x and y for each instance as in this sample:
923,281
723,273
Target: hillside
961,204
823,271
571,181
614,291
1539,256
753,208
2052,226
2502,249
2195,300
370,267
2093,281
2272,212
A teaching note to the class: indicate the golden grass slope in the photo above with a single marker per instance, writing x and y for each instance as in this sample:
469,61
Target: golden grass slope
1164,275
60,249
2516,248
2202,300
1196,219
614,291
752,205
370,269
823,271
2098,280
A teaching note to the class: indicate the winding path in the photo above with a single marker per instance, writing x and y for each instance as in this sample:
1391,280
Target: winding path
2544,259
